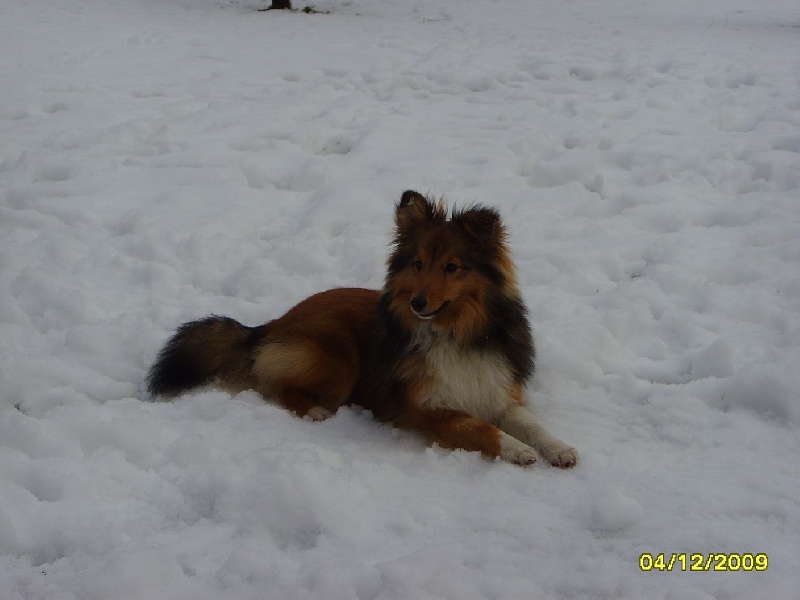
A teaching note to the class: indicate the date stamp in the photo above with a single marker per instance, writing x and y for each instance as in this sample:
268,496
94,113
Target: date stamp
698,561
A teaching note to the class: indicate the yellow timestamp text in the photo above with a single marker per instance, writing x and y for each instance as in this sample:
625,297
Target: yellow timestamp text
697,561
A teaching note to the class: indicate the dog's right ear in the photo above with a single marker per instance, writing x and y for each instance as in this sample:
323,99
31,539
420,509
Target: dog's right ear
414,210
411,197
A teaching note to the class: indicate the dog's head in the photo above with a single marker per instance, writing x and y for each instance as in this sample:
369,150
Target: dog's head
444,269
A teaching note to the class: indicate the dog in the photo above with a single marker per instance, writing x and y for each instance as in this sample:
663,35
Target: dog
445,348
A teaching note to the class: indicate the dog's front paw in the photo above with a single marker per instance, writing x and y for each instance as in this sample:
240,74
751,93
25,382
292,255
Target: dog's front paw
514,451
562,457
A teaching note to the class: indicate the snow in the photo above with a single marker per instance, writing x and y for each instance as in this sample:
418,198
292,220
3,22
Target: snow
165,159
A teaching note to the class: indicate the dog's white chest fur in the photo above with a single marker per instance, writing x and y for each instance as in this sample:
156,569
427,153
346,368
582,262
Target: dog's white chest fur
477,383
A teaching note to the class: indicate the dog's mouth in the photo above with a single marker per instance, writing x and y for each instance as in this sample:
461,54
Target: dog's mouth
430,315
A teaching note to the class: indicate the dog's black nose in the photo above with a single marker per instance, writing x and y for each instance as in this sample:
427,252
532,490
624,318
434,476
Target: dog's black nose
418,303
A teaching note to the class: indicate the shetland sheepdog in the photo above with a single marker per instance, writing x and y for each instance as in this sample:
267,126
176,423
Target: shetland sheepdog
444,348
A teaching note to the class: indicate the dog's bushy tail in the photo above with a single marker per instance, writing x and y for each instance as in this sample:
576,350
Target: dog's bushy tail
213,348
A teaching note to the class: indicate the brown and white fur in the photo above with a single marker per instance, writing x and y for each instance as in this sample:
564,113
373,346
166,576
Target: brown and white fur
444,348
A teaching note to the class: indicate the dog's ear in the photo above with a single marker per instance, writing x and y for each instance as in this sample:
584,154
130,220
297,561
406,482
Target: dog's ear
414,210
483,224
411,197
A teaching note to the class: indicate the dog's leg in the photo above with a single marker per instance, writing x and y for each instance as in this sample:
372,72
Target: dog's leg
458,430
304,378
521,423
514,451
300,403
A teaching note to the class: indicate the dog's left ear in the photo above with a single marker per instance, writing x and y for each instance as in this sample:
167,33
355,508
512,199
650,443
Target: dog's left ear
483,224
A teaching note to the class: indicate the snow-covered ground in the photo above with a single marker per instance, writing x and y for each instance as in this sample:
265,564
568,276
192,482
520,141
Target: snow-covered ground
165,159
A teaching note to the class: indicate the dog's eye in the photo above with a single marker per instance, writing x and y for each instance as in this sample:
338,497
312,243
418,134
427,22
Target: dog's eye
450,268
418,265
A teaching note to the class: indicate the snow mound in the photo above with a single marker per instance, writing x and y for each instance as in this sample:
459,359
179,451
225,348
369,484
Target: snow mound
612,511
